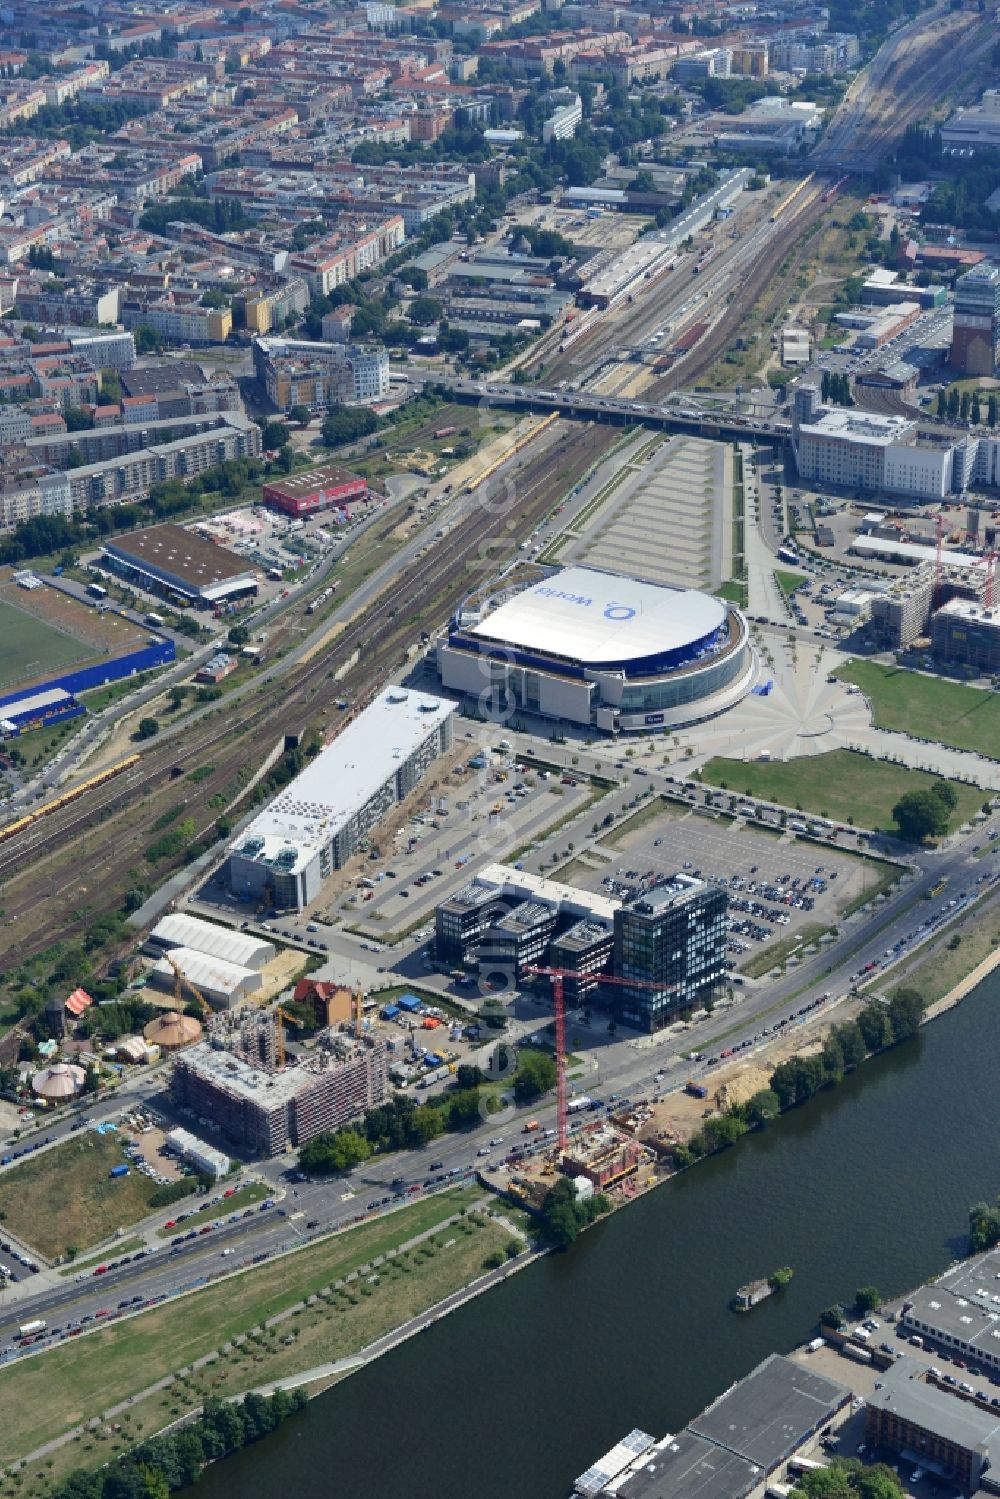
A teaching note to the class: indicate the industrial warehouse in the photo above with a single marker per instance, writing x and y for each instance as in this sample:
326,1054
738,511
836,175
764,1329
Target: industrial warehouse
322,817
180,566
593,648
329,488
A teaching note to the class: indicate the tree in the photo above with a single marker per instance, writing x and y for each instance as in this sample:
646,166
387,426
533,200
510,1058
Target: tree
425,310
300,415
875,1026
763,1106
148,728
906,1009
535,1075
984,1227
953,404
991,411
867,1299
831,1316
852,1044
275,435
921,814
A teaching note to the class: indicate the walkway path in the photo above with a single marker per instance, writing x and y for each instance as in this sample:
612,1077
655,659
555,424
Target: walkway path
374,1350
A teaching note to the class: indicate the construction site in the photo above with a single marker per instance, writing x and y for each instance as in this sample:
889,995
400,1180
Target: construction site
264,1099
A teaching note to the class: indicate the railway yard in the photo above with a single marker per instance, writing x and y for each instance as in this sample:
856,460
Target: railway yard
70,858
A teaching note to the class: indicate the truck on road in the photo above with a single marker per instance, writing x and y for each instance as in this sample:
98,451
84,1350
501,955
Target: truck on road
32,1329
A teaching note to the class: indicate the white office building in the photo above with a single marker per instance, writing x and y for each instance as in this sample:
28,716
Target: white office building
848,448
322,817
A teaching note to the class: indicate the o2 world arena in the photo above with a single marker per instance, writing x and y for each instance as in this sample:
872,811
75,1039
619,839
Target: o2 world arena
589,647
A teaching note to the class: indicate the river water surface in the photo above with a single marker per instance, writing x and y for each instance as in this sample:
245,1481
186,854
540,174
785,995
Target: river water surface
514,1395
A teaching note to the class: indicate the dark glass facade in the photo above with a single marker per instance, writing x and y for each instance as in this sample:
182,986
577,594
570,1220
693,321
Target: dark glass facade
674,939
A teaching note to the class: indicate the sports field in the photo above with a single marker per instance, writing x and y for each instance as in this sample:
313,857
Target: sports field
928,707
31,649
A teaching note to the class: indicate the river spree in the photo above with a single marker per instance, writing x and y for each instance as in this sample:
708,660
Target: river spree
517,1393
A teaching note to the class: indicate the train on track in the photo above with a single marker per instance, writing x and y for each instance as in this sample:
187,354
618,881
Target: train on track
522,442
792,197
23,823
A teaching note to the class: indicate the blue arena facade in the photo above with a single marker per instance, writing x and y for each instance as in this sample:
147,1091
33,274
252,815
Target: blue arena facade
25,708
597,649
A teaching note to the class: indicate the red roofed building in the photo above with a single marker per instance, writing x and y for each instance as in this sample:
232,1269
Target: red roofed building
79,1002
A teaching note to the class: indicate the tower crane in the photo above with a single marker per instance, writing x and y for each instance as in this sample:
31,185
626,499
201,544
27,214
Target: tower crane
557,975
279,1033
357,1001
181,981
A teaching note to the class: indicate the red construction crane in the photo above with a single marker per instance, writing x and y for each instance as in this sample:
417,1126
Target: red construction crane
557,975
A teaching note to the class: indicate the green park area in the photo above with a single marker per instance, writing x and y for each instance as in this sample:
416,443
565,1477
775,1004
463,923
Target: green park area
788,582
929,707
842,785
44,1397
64,1200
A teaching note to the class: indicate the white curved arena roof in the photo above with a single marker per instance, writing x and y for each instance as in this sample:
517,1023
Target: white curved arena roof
598,618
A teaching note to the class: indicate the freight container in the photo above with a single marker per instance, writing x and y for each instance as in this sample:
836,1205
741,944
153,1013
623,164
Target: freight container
118,1171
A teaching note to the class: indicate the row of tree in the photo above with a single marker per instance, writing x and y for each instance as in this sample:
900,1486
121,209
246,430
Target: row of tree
836,389
967,407
877,1027
164,1464
403,1124
984,1226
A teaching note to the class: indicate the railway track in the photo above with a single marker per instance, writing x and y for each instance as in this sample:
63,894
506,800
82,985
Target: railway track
88,854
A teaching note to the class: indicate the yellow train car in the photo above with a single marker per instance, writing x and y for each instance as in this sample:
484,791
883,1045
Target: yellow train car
12,829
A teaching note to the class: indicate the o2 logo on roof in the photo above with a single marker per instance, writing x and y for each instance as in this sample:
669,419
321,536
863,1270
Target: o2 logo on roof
619,611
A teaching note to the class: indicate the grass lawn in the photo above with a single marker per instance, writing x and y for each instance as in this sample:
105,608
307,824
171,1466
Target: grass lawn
939,969
788,582
928,707
841,785
64,1197
56,1390
113,1252
735,591
655,808
29,647
241,1198
773,954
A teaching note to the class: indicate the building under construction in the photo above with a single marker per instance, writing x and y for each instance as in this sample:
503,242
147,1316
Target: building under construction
901,614
241,1081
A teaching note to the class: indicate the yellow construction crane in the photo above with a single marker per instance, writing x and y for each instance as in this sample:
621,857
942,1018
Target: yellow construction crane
357,1002
181,981
279,1033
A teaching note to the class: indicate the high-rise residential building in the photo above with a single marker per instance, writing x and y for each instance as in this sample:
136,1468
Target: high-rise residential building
672,940
975,339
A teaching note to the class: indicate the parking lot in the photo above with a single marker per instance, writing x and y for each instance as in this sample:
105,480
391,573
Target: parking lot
463,819
777,884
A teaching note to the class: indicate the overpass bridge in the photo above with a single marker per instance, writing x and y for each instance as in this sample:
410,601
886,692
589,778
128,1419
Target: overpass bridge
589,406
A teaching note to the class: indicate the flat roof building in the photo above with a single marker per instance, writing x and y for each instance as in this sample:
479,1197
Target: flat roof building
735,1446
967,634
170,560
909,1416
848,448
321,818
320,489
265,1110
672,941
